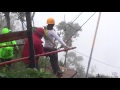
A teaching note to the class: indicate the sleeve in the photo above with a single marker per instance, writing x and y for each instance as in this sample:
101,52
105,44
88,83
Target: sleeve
58,38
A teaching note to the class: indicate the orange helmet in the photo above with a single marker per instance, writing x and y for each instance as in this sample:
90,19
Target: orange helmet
50,21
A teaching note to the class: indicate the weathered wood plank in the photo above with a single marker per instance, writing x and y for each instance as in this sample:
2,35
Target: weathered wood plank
13,36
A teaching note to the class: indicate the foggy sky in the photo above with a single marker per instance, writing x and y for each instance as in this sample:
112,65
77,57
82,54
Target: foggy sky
107,46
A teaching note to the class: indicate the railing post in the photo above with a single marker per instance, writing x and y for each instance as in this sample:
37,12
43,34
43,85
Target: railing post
30,40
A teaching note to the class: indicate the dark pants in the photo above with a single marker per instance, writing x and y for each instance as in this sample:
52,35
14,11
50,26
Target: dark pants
53,60
3,60
31,66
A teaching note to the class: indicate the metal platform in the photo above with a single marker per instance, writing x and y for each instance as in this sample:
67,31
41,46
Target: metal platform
67,73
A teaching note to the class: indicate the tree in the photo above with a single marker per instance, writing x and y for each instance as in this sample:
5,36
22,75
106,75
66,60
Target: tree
2,20
66,30
10,20
93,69
21,17
114,74
7,17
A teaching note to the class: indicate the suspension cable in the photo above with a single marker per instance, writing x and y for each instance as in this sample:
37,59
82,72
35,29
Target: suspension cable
77,17
79,28
74,21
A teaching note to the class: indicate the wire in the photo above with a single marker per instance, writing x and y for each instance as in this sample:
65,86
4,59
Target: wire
77,17
71,26
74,21
87,20
83,23
97,60
79,28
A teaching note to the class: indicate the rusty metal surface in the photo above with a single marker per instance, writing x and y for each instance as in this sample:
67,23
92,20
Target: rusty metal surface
13,36
24,58
69,73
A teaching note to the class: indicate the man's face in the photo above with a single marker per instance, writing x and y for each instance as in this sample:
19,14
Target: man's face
50,26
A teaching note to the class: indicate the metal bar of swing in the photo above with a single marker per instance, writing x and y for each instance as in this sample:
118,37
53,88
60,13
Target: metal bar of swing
44,54
93,45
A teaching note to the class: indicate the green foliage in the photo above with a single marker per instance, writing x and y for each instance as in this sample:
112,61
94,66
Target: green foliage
19,70
26,73
43,62
11,19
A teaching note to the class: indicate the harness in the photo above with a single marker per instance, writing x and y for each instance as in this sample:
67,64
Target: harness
46,36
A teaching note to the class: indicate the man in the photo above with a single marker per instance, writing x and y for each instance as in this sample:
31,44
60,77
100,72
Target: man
38,47
7,53
50,36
